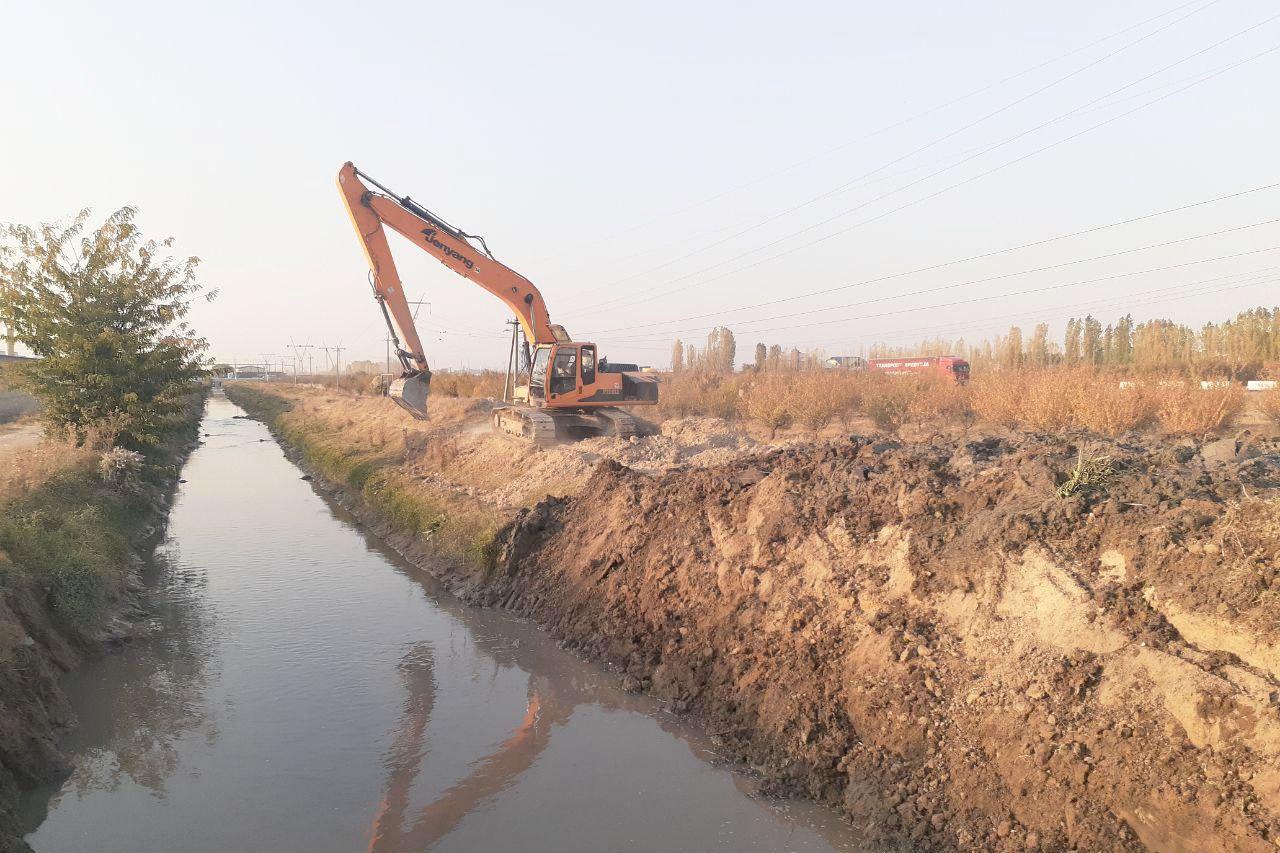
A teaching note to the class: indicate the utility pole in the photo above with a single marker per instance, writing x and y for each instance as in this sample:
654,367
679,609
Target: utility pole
337,365
299,358
512,364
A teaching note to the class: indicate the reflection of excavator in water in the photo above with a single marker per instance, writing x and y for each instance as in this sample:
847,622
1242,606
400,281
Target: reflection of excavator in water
391,832
571,393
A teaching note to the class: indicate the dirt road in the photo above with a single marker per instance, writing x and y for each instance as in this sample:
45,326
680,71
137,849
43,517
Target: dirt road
14,437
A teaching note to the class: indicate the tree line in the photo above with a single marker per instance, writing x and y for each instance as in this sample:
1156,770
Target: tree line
1244,347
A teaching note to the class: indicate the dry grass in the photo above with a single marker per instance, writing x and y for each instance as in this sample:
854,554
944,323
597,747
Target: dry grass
1269,403
23,470
487,383
1055,400
769,400
1105,407
710,395
1092,472
1190,410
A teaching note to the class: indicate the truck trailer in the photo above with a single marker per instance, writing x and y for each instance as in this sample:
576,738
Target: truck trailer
953,367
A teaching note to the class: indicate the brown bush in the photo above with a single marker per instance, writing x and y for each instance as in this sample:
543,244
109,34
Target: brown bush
1105,406
817,397
707,394
1190,410
936,398
769,400
1269,403
1053,400
886,402
486,383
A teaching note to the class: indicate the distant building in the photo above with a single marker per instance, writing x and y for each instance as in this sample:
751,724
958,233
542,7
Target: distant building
248,371
848,362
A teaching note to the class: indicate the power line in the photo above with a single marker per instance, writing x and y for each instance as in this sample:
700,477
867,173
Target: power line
1001,276
938,140
884,129
957,261
1006,295
1195,288
626,301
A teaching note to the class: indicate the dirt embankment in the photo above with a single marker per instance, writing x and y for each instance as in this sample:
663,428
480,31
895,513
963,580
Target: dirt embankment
928,638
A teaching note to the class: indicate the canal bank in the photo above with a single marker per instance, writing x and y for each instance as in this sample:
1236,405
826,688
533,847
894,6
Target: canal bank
74,526
303,687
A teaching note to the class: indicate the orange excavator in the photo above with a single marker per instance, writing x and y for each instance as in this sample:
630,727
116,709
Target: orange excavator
571,391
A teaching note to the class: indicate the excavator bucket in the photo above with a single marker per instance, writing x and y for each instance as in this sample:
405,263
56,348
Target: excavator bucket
410,393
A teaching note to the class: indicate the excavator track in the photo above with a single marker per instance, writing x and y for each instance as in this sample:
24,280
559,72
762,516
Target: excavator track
616,422
546,427
532,425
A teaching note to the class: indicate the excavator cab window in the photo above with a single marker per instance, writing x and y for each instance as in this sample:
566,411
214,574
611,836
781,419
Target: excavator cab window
564,371
588,365
538,373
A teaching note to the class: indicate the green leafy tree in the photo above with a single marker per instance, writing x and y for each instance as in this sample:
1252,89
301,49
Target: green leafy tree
104,312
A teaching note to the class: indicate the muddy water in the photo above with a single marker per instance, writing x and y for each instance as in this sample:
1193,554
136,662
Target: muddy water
301,688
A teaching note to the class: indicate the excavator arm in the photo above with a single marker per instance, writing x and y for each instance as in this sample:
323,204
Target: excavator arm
370,211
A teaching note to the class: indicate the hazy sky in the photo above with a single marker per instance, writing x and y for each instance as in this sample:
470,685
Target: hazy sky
646,163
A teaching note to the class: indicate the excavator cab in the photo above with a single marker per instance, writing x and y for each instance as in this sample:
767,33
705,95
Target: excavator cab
410,393
562,373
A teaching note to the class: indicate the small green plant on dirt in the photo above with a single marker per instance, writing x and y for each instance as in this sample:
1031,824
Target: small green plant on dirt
1092,472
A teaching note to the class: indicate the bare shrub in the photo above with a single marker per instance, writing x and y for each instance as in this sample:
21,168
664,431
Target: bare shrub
816,399
846,389
708,394
1269,403
936,398
119,467
998,398
768,401
1046,400
1054,400
1188,410
1109,407
887,400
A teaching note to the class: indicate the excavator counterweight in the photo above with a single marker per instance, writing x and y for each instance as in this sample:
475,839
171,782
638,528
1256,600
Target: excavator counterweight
571,393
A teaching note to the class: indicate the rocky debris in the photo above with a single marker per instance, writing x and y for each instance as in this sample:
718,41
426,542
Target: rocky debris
926,637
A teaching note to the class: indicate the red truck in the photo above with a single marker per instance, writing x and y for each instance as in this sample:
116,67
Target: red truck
935,365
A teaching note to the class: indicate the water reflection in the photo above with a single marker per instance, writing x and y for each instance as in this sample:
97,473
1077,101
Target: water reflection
134,707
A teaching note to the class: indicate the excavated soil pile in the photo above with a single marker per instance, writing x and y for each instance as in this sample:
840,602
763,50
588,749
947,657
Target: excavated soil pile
930,638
